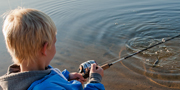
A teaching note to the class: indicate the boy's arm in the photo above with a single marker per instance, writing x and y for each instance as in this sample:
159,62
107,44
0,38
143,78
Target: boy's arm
94,82
73,76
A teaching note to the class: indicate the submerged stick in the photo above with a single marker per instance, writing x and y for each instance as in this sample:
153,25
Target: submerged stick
156,62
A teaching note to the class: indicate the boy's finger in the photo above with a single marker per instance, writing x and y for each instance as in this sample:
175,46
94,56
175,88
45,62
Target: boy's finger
81,77
93,66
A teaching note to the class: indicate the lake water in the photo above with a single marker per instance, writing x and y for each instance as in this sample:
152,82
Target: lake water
106,30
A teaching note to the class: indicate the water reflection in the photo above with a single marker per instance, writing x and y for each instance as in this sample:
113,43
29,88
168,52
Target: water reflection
99,30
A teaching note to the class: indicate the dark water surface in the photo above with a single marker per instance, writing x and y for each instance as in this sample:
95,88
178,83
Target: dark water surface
104,30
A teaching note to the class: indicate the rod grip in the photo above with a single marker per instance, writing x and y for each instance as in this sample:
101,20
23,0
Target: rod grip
105,66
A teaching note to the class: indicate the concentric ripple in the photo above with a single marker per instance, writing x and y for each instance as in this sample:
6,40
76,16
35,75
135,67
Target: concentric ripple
134,25
99,29
161,25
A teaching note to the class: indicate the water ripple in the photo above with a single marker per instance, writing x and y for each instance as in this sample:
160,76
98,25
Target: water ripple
136,25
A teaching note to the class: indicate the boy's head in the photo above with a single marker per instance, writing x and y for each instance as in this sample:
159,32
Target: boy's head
26,31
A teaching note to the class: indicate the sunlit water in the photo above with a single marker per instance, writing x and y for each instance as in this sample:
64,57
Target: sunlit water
106,30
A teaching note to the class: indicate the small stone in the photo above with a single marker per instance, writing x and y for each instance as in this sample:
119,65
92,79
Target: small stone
163,40
147,60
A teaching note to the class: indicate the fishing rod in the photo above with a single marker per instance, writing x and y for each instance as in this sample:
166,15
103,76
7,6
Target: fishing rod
84,67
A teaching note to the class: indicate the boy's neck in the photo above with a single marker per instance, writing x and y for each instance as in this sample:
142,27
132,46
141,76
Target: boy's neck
31,66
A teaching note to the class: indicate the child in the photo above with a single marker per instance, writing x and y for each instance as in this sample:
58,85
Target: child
30,37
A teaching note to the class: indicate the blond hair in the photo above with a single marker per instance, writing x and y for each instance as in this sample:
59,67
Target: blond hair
26,31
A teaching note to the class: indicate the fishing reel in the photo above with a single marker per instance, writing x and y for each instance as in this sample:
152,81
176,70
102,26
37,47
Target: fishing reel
85,67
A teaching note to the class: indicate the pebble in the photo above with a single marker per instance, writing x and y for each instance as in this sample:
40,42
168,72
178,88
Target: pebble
155,52
167,51
147,60
163,40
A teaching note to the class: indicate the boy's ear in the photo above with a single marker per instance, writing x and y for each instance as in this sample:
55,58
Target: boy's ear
43,50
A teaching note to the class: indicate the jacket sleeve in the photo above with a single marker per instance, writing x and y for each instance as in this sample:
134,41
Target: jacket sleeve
94,82
66,73
94,86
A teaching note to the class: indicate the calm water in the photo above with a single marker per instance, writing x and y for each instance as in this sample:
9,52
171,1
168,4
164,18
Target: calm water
106,30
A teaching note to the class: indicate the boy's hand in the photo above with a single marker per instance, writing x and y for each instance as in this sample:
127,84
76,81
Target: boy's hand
77,76
96,69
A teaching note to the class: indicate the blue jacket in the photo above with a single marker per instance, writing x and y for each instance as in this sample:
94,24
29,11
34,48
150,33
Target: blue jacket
54,81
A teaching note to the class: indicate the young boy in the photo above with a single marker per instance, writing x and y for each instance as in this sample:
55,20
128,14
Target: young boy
30,37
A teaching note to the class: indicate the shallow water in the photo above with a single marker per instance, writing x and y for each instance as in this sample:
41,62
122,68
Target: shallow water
107,30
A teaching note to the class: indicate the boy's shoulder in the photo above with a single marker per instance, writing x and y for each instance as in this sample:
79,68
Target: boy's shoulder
14,79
